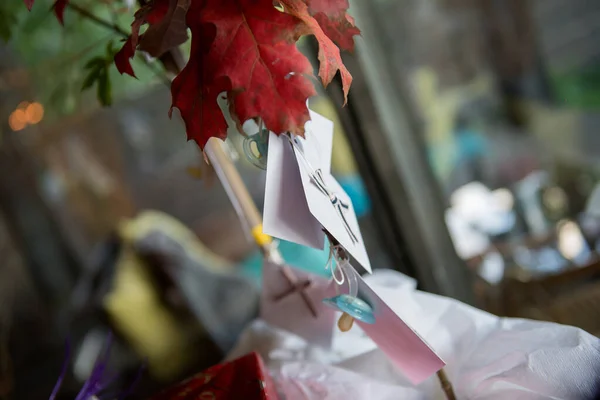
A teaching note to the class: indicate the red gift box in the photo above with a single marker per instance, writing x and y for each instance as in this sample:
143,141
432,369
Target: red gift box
243,379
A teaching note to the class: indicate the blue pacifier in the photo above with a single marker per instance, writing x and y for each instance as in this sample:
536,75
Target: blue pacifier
353,306
349,304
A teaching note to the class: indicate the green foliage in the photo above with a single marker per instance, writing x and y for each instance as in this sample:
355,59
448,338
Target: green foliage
58,58
99,73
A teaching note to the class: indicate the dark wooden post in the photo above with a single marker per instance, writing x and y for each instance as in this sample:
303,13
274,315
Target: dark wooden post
384,134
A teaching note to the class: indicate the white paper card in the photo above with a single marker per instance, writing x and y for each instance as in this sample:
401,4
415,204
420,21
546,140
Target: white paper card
324,137
294,207
286,215
315,154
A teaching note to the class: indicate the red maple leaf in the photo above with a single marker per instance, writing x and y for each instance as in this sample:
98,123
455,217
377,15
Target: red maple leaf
255,48
335,21
152,13
245,49
169,32
340,31
253,58
330,60
333,8
123,57
194,92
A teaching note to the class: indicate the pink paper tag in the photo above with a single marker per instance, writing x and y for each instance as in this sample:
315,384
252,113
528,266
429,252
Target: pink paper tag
283,306
402,345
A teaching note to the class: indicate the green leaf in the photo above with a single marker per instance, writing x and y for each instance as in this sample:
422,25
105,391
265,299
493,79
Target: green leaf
104,88
110,51
91,78
46,48
95,63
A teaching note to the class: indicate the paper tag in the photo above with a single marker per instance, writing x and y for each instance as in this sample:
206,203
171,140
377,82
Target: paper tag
401,344
282,304
313,154
323,129
285,214
294,207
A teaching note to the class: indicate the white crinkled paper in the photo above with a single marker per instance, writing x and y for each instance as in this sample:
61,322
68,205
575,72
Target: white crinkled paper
487,357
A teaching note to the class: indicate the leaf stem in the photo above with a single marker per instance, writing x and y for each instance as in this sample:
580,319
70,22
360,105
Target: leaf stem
116,29
92,17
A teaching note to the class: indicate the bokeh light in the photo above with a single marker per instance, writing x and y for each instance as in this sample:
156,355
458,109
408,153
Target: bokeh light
570,239
25,114
17,120
34,113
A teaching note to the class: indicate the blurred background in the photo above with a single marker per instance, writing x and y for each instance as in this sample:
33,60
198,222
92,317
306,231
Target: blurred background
469,147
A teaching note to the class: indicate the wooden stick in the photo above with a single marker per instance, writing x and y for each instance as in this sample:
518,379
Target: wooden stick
239,195
233,183
446,385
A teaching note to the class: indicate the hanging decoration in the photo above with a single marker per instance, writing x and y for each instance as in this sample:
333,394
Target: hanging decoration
247,50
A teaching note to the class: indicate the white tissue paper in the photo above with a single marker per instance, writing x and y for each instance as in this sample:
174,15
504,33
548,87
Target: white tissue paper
487,357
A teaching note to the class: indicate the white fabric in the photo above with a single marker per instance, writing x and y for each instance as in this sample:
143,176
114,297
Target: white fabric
487,357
